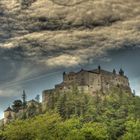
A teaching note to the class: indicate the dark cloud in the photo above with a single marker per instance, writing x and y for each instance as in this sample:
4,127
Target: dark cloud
69,28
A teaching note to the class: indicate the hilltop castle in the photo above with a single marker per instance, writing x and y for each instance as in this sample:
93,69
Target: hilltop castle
86,81
90,81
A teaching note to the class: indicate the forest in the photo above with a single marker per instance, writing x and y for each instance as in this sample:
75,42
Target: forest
80,116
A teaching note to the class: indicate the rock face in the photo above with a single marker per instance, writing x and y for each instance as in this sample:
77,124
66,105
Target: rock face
92,81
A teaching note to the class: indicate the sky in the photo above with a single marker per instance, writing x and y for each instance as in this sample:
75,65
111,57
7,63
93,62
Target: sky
39,43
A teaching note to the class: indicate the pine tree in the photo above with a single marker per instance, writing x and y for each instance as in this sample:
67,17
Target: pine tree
24,99
61,106
17,105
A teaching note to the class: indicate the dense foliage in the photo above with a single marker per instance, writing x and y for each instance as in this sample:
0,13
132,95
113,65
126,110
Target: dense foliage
80,116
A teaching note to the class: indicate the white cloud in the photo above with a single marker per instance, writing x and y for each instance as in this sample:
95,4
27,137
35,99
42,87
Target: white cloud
63,60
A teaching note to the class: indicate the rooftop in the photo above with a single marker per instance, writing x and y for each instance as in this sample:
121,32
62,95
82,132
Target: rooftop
8,109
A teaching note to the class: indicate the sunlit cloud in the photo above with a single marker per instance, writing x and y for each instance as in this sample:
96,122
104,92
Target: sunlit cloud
63,60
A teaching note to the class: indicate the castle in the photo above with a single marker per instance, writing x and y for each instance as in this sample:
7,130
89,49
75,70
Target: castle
90,81
86,81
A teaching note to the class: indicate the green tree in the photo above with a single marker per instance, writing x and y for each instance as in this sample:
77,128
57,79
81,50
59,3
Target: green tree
132,130
24,99
17,105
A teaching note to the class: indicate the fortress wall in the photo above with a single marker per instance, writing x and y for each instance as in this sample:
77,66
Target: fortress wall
83,89
106,82
89,81
46,98
94,82
69,78
82,78
46,94
121,80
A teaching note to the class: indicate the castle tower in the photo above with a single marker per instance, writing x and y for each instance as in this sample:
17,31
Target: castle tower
8,115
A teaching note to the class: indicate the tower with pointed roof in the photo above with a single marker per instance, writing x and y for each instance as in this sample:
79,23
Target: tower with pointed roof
9,115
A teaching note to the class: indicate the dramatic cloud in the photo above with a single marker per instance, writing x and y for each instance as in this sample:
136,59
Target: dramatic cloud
77,29
56,34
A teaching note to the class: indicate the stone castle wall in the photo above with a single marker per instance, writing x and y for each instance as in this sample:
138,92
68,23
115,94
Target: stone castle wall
89,82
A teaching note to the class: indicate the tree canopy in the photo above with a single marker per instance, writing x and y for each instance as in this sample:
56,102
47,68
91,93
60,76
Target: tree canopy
80,116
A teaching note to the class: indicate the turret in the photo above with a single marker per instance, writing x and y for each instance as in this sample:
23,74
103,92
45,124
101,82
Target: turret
121,72
99,68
